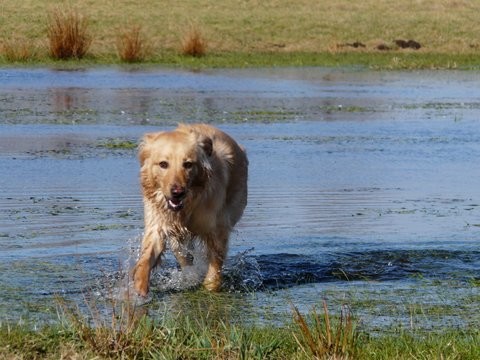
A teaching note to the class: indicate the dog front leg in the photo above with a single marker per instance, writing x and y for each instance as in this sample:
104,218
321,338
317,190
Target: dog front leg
217,250
153,245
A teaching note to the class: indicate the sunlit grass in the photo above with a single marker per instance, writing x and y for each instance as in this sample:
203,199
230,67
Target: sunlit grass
274,33
204,329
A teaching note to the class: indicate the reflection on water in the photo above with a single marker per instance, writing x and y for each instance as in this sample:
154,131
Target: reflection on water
360,183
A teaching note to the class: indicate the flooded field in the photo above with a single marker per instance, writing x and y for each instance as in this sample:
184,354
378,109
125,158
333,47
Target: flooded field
363,190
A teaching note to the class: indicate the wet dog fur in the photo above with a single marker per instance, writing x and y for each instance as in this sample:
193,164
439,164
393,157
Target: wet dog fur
194,183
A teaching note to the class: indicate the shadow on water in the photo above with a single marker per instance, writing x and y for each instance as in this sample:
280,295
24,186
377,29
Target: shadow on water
289,270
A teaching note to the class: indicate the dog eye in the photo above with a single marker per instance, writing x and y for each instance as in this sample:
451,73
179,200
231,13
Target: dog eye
187,165
163,164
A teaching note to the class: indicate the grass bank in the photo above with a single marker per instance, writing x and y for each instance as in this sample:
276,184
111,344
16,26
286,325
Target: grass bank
267,33
317,335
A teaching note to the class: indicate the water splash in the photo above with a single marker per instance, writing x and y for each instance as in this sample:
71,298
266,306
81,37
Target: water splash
242,273
117,285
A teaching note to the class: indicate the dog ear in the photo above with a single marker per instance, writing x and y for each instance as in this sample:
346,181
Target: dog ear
205,171
144,148
206,144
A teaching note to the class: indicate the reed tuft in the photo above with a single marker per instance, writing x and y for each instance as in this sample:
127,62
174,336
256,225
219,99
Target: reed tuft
68,34
125,336
194,43
132,45
324,338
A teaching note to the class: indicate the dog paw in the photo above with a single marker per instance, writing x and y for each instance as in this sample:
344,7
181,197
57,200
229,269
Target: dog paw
141,287
213,285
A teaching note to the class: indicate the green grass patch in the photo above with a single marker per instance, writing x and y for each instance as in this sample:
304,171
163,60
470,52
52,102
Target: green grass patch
373,60
191,338
452,344
201,333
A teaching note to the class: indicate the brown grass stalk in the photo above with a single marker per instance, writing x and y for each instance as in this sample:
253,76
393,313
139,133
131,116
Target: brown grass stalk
323,339
194,43
68,34
132,45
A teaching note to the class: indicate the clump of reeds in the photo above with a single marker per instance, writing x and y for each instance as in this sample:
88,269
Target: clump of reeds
68,34
126,334
325,338
18,50
132,45
194,43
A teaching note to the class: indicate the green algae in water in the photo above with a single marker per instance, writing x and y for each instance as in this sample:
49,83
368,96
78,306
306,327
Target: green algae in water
118,144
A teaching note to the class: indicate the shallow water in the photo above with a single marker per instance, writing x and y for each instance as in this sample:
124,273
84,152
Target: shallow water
363,188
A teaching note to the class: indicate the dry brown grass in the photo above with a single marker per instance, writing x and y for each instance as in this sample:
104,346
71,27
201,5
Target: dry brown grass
68,34
18,50
323,339
194,43
132,45
109,338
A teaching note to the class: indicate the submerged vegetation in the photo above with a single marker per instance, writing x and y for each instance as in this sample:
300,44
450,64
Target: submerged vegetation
117,144
377,34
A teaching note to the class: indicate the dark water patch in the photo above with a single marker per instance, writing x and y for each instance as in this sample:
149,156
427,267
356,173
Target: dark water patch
289,270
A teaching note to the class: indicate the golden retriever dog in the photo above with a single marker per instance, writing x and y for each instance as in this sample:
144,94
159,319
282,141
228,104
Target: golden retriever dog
194,182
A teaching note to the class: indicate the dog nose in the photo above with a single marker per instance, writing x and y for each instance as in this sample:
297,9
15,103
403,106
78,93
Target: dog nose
178,191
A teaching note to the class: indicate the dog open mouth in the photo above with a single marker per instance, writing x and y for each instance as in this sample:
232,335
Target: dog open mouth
175,204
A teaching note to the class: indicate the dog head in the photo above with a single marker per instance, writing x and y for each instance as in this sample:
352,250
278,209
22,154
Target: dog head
173,165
